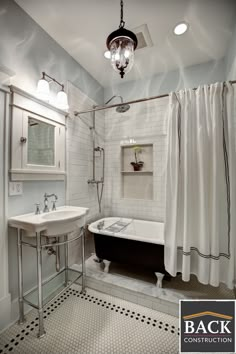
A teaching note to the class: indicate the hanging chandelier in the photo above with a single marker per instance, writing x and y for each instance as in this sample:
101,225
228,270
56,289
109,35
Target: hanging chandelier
122,44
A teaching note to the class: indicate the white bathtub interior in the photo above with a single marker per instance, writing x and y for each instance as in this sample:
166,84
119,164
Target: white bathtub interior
132,229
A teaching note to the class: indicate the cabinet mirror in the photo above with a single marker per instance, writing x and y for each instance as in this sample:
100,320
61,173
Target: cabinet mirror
41,143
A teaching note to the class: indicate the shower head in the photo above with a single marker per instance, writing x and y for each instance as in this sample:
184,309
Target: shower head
123,109
120,109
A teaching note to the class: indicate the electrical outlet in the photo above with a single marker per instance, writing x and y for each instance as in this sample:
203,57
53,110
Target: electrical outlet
15,188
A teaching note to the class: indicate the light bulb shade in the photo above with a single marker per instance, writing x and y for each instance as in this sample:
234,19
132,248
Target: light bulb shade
62,100
122,55
107,54
122,44
43,90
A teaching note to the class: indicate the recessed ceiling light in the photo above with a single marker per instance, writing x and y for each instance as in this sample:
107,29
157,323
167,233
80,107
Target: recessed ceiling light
107,54
180,28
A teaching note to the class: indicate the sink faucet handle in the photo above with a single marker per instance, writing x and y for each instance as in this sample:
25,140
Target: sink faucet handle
37,211
54,204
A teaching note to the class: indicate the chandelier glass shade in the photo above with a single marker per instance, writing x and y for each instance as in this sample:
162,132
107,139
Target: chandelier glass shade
122,44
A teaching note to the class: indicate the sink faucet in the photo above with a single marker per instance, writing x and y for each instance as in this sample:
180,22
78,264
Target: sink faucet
46,196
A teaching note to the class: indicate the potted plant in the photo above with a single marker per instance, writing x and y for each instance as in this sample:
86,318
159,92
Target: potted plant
137,164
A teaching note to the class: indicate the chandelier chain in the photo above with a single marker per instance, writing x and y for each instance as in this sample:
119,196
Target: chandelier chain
122,23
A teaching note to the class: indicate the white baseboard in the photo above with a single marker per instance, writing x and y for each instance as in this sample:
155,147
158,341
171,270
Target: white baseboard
5,311
14,314
15,310
9,310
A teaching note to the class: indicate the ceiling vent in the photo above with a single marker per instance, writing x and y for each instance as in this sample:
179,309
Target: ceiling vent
143,36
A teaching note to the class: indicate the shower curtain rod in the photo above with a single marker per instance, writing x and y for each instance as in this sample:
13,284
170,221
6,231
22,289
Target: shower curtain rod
100,108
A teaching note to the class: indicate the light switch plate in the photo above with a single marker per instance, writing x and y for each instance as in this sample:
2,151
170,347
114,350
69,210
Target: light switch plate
15,188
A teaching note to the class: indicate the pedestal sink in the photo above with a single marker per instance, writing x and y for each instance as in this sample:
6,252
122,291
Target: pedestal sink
56,224
62,221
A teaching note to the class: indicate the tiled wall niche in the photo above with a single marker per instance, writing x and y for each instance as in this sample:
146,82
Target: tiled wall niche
137,184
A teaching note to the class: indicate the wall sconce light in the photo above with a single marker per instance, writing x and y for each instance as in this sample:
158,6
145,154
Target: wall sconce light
43,91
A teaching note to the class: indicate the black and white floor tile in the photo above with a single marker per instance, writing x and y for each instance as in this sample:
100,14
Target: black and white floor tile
94,323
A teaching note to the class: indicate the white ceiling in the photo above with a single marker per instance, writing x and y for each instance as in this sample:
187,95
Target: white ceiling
81,28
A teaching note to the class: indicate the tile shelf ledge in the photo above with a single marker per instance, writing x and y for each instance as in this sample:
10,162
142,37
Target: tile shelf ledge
137,171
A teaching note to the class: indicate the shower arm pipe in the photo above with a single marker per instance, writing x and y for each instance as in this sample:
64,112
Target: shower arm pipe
101,108
121,99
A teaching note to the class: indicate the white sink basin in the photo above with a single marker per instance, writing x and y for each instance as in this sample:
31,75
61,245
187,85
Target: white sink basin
60,215
54,223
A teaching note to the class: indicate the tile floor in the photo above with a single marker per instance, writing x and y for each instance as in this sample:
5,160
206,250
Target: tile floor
138,286
94,323
142,281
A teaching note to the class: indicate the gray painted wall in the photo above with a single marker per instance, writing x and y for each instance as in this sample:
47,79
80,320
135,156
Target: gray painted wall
189,77
27,49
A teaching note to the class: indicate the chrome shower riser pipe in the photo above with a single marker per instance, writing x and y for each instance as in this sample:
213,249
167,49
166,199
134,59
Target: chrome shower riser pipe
93,179
93,143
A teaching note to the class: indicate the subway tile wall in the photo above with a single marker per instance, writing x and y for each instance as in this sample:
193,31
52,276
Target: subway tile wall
79,144
79,139
143,123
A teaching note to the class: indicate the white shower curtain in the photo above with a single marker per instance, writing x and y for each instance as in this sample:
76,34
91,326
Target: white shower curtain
200,188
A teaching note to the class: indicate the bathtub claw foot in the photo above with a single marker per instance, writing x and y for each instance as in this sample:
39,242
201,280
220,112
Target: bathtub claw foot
107,266
160,277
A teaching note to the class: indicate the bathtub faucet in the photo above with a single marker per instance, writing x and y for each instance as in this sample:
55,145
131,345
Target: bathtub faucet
100,225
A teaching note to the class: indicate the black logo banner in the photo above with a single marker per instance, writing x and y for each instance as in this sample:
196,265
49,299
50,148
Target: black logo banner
207,326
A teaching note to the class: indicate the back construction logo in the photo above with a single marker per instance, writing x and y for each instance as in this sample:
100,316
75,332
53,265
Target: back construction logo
207,326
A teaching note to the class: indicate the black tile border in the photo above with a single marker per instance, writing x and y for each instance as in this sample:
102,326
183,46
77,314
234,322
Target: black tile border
28,328
128,313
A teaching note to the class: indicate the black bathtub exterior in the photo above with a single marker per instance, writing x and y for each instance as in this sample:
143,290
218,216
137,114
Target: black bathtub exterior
131,252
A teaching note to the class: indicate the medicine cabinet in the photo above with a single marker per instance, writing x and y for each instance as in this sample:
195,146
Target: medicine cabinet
37,139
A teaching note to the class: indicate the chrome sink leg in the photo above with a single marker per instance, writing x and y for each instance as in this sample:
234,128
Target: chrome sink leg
20,277
66,259
41,332
83,261
58,255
